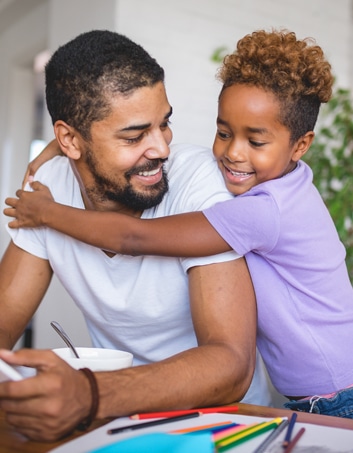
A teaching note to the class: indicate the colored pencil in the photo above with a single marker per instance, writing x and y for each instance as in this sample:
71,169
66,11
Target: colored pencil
289,430
213,427
246,434
231,432
161,421
271,437
293,442
202,410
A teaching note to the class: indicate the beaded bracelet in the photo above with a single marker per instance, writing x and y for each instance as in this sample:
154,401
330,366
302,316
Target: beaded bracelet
95,399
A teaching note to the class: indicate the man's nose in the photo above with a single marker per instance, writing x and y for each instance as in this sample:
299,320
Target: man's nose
158,147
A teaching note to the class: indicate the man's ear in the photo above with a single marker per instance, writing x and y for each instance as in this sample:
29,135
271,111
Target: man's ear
68,139
302,146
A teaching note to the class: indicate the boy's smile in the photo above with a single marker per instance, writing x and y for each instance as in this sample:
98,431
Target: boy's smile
251,145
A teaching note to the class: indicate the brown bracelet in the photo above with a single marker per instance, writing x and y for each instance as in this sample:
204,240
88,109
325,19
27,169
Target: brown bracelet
95,399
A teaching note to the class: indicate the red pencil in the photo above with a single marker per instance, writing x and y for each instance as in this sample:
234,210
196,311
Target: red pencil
294,441
203,410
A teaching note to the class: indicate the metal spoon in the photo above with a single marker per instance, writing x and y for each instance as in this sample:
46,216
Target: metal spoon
57,327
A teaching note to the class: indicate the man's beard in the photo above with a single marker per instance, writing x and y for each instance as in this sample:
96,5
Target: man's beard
106,189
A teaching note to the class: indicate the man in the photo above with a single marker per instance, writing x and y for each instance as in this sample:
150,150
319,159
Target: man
191,324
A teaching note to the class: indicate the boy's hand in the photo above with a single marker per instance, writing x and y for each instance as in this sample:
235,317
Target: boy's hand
30,207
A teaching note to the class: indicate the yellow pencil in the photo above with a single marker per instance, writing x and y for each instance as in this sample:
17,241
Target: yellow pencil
247,434
230,432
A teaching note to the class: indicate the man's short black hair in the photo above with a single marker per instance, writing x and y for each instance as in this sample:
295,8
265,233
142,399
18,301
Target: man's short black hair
85,73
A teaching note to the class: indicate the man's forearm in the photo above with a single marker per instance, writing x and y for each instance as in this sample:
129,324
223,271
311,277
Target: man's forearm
6,342
204,376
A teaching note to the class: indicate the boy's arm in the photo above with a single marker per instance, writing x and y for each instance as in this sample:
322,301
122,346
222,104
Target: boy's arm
192,234
24,279
51,150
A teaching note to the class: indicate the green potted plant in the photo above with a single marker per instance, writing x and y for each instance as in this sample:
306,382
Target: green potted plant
331,159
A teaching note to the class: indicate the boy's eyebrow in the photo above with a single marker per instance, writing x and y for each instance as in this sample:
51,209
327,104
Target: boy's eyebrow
220,121
253,130
258,130
141,127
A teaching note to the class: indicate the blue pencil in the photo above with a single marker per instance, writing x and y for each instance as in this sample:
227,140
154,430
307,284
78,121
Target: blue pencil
289,430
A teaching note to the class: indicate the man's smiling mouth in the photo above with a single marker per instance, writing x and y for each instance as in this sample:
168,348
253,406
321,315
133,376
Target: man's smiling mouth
150,172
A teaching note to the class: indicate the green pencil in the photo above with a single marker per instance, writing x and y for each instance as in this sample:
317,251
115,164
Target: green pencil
247,434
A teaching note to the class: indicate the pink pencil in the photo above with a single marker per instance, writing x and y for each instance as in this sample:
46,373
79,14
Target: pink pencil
230,431
203,410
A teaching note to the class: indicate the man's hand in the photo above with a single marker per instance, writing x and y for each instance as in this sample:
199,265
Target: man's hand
49,405
30,207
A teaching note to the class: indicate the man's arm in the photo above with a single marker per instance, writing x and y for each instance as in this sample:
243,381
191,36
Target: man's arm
218,371
24,279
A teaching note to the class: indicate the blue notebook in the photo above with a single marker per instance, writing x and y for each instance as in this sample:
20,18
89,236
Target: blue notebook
161,443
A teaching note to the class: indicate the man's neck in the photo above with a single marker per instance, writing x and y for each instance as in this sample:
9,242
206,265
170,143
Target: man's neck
92,204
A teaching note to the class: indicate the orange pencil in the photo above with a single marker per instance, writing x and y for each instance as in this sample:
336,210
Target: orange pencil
203,427
203,410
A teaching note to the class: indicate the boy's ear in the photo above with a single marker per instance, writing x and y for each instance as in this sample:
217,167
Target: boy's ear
68,139
302,145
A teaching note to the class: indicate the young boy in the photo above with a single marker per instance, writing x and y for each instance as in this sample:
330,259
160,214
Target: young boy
273,86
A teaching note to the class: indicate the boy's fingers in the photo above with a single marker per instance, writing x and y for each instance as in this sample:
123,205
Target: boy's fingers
36,185
10,212
11,202
14,224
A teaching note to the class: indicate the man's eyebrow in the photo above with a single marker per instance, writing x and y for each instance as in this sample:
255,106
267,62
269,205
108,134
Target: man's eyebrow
141,127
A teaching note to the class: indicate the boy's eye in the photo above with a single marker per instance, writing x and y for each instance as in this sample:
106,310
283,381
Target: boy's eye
223,135
166,124
256,144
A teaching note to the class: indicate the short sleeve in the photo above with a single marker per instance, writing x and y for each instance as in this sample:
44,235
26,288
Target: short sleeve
249,222
196,184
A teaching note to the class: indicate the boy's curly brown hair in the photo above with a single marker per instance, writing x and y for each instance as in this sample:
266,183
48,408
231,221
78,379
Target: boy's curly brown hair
295,71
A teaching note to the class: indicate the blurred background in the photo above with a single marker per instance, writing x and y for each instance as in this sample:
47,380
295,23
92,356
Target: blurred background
182,35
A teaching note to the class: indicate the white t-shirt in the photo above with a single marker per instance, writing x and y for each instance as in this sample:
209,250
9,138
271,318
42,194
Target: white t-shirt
138,304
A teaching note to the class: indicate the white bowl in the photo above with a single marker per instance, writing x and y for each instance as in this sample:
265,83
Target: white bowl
96,359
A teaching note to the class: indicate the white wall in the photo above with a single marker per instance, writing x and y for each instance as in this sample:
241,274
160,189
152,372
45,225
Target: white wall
18,45
181,35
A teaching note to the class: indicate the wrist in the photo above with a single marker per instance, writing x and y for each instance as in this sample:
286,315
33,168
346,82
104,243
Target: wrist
48,213
93,386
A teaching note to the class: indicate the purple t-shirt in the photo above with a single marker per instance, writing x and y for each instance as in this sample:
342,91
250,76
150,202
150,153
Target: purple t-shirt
304,295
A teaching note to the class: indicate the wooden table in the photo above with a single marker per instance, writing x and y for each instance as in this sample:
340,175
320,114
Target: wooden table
12,442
